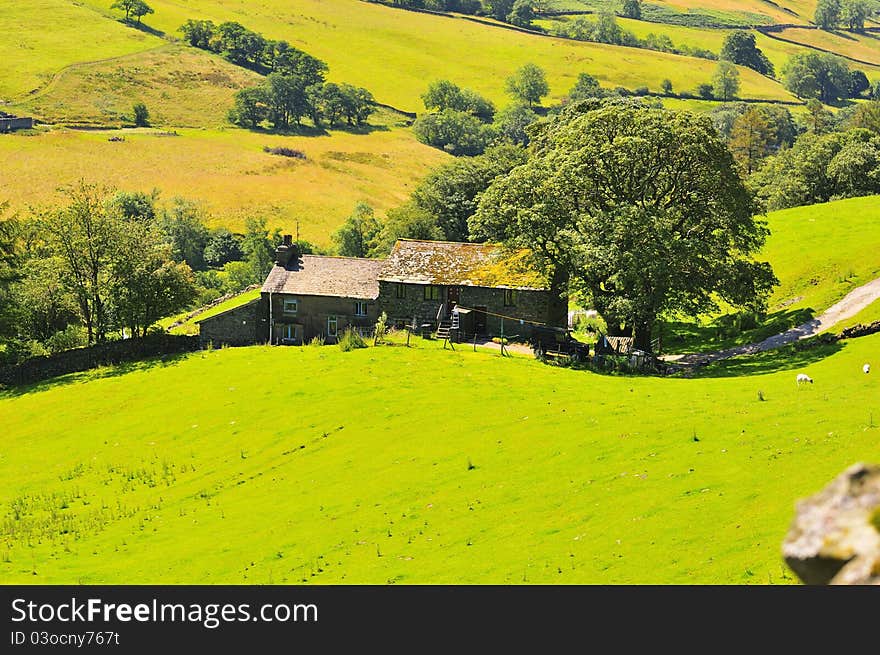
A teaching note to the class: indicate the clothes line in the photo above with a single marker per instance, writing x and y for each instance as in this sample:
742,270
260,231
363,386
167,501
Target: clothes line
488,313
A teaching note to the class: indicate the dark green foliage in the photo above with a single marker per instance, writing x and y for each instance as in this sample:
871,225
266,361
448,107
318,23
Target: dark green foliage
511,123
451,192
351,340
635,250
586,86
740,48
632,9
706,91
444,94
827,15
456,132
183,225
858,83
408,221
356,237
222,247
141,114
528,84
522,13
817,75
251,107
821,167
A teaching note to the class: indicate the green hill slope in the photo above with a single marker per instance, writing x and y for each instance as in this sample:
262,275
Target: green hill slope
290,465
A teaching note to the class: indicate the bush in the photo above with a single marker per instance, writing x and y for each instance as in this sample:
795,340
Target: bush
381,328
285,152
317,341
73,336
141,114
706,91
350,340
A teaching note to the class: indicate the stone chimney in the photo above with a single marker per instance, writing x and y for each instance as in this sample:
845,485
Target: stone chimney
287,252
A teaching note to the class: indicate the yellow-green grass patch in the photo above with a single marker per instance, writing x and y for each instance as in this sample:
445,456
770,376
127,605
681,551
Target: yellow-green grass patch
182,87
41,37
864,47
228,171
217,468
396,54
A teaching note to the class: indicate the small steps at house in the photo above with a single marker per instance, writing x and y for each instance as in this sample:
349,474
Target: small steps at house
444,329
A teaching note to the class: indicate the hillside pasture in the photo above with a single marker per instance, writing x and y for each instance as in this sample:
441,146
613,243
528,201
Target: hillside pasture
717,13
864,47
42,37
343,472
362,42
182,87
227,170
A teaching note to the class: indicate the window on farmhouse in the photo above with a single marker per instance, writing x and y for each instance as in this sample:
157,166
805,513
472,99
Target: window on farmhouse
360,309
291,306
510,297
331,326
432,293
400,291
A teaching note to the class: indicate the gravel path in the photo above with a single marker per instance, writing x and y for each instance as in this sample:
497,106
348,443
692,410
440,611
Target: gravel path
854,302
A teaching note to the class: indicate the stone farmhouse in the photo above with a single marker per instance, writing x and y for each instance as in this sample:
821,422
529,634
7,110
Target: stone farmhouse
432,286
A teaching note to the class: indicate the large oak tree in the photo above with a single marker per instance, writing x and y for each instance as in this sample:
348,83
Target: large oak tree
639,208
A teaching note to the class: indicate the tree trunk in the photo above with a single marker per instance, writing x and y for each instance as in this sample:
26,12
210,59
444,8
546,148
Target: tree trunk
557,310
642,336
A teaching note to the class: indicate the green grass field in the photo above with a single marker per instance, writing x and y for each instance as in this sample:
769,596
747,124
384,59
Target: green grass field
362,42
42,37
228,171
819,253
182,87
357,470
720,12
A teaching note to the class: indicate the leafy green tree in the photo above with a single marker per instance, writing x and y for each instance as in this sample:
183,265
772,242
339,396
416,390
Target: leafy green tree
287,100
358,104
858,83
725,81
522,13
42,300
817,119
741,48
456,132
409,221
443,94
147,284
855,13
585,87
125,5
84,234
356,237
222,247
827,14
866,116
666,87
251,107
139,9
198,33
141,114
183,226
528,84
636,250
751,139
632,9
608,30
817,75
706,91
259,247
511,123
135,205
499,9
450,193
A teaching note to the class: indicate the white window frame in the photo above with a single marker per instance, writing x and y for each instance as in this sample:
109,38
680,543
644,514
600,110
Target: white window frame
334,320
360,308
290,301
291,330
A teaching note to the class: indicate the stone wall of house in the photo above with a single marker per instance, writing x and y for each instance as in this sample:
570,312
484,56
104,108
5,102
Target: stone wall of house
241,326
313,313
104,354
530,306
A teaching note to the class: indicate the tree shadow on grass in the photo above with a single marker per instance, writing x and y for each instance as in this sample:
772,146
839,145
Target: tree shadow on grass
97,373
723,332
787,358
142,27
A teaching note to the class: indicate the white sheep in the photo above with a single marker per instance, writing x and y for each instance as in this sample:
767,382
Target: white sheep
866,368
803,378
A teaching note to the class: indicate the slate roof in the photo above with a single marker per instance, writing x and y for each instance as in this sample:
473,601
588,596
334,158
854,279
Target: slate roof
314,275
459,264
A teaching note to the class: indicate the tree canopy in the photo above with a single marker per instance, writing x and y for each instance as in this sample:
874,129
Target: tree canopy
741,48
639,208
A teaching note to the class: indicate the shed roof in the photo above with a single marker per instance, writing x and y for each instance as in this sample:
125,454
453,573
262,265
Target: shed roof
314,275
461,264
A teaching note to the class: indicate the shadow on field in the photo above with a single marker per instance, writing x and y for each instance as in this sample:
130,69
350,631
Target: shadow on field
729,330
787,358
109,371
141,27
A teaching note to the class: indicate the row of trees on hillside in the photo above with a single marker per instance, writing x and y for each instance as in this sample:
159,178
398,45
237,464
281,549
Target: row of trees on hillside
109,262
850,14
